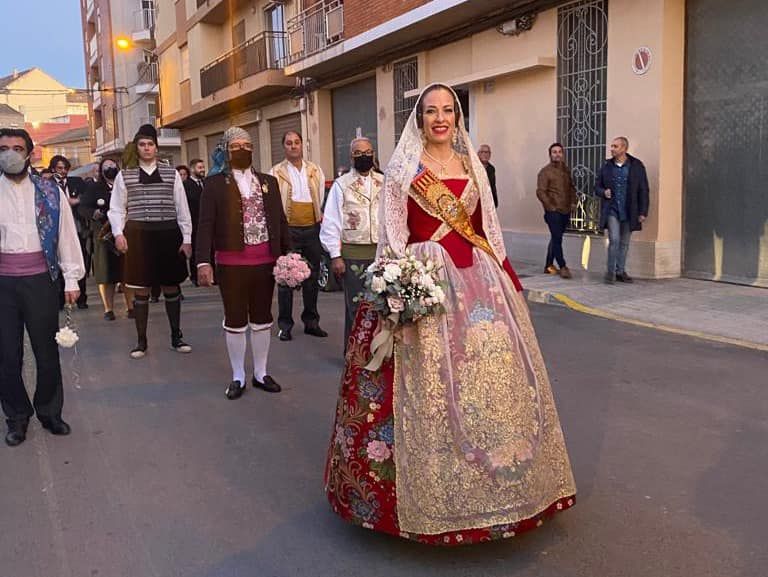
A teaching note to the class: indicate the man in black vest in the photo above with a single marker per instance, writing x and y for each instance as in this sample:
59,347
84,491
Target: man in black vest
150,220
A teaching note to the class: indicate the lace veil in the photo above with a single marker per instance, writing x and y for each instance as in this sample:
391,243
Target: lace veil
404,166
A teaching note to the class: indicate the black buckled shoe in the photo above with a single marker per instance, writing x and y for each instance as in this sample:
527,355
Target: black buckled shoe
17,433
315,331
235,390
55,425
268,384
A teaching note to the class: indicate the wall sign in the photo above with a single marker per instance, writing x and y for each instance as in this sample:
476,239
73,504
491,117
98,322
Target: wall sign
641,61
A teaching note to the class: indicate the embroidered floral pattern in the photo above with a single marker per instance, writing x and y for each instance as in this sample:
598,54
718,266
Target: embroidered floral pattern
360,472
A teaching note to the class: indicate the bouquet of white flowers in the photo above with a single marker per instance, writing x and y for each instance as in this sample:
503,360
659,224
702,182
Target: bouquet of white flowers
402,290
67,336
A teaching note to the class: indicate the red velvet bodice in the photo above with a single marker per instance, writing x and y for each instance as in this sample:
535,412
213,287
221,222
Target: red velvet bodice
422,226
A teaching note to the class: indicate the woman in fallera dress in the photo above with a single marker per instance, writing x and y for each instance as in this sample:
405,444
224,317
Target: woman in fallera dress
456,438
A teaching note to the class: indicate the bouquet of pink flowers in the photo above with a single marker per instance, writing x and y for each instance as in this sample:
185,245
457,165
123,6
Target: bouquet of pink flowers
291,270
402,290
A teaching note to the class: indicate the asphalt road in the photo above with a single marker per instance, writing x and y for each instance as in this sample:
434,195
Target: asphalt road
163,476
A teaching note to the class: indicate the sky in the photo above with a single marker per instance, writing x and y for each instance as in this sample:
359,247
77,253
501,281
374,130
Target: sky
46,34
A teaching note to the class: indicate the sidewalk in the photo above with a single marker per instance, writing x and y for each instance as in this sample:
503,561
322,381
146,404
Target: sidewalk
721,312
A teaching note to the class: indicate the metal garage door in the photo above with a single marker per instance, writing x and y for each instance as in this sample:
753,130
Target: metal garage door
277,128
726,123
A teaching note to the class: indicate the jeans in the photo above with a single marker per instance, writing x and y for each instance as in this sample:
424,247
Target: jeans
619,233
557,223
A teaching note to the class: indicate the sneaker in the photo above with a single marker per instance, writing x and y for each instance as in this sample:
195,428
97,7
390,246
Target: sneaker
551,269
565,273
180,346
140,351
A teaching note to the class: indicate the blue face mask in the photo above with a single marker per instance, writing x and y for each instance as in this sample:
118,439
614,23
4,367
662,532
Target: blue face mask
12,162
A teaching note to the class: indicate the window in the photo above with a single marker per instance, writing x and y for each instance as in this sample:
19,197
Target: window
238,33
152,111
406,78
275,26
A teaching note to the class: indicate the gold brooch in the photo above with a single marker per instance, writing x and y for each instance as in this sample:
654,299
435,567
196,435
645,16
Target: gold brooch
264,189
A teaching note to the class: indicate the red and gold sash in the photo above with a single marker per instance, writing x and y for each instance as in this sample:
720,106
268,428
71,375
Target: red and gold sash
437,200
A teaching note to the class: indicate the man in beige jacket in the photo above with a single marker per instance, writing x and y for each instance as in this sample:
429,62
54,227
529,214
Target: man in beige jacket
302,186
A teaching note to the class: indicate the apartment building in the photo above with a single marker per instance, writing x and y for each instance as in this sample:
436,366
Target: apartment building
122,76
528,72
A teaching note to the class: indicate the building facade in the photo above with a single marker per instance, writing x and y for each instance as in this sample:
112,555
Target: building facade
39,97
123,82
74,144
528,73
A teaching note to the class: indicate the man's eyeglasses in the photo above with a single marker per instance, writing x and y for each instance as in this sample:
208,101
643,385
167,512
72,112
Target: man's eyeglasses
359,153
245,146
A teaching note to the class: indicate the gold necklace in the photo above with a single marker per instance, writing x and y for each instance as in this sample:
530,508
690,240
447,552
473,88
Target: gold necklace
443,165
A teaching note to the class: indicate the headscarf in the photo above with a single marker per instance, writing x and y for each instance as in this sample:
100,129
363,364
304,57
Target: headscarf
403,168
220,154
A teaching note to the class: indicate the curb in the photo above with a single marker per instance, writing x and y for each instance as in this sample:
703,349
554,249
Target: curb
561,300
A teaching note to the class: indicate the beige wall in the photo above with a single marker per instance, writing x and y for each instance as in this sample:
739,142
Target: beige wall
648,109
170,76
36,107
165,23
516,118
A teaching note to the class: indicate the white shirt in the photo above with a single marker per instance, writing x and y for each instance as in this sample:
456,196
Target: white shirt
299,183
19,234
117,211
244,178
333,218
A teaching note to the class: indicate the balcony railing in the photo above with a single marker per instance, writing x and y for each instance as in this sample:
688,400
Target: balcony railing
147,73
265,51
316,28
93,48
144,19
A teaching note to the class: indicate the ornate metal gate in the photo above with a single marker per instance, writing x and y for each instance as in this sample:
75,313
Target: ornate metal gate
582,68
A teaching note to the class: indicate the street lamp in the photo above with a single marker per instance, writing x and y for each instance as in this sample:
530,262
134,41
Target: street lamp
123,43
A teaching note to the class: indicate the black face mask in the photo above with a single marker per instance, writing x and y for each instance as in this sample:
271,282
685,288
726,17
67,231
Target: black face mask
363,163
241,159
110,173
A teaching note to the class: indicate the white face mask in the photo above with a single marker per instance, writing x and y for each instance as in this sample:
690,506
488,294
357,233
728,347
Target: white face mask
12,162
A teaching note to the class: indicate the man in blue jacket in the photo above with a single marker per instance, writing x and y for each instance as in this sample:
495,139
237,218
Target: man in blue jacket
622,183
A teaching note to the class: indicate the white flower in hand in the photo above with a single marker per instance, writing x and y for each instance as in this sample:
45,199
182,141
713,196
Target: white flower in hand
378,285
66,337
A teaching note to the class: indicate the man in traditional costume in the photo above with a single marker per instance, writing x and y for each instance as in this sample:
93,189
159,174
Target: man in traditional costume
38,243
241,216
151,223
350,229
302,186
